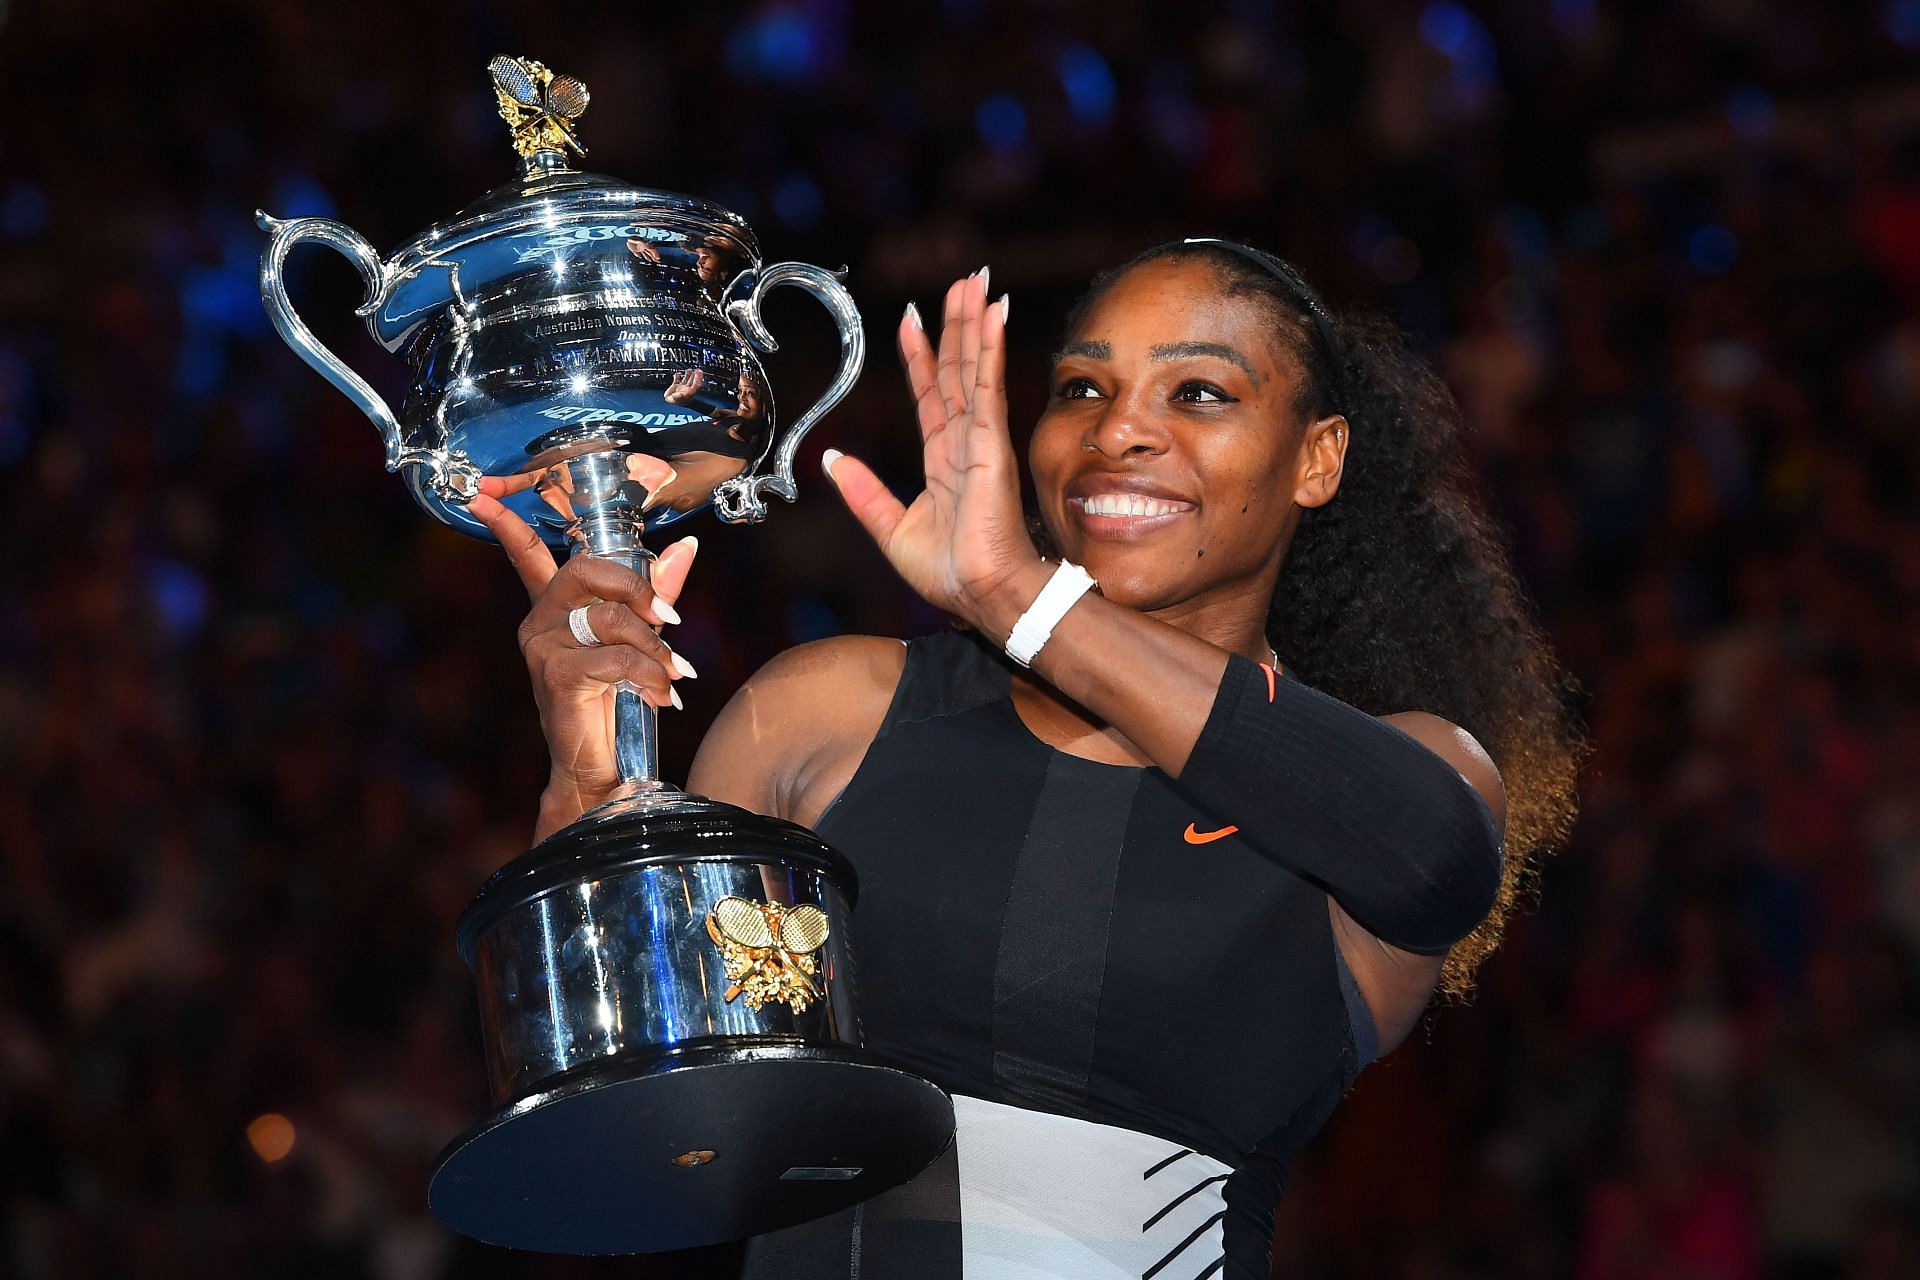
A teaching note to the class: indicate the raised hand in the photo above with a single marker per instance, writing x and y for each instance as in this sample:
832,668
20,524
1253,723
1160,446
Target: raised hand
574,684
963,541
684,386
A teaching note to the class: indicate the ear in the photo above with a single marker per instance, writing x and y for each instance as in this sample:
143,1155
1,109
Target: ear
1323,455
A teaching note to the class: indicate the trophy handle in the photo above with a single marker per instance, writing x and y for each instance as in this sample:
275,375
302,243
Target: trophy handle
738,500
350,244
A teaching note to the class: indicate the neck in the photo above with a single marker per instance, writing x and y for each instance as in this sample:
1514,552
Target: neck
1232,616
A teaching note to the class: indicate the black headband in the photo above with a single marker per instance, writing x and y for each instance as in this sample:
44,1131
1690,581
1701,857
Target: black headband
1309,302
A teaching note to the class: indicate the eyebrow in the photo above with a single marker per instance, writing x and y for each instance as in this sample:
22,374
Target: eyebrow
1091,350
1220,351
1166,351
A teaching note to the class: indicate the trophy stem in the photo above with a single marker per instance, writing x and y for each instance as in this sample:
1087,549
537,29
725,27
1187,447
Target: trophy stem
609,524
636,727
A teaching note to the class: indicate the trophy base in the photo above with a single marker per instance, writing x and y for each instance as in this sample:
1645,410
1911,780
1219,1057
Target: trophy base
686,1147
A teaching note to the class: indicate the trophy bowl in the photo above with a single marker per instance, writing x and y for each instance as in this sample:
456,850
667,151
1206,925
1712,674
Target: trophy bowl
667,986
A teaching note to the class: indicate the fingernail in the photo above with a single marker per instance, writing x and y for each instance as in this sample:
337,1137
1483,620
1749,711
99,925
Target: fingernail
913,317
684,667
1006,308
827,460
675,694
985,273
690,542
665,612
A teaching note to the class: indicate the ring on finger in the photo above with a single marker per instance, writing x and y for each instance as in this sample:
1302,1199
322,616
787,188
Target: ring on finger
583,629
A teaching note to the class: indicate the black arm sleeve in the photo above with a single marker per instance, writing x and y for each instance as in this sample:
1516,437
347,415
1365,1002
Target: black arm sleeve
1400,839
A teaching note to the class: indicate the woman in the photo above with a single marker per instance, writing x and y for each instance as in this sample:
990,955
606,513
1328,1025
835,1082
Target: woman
1147,905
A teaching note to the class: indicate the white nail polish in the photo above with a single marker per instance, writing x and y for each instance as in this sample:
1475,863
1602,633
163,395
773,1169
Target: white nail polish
986,275
827,460
677,704
691,543
913,317
684,667
665,612
1006,308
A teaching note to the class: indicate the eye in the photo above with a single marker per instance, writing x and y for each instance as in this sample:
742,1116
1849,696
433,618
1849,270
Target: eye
1077,389
1196,392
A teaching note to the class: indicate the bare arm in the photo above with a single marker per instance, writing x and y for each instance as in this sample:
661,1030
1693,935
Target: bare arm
791,739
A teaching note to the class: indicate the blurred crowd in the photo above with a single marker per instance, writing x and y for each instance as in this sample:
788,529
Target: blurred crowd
264,727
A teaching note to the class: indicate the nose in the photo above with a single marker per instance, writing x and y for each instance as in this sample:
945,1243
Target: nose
1127,426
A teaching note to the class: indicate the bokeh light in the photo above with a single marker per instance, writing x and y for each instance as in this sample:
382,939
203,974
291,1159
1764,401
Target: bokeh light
271,1137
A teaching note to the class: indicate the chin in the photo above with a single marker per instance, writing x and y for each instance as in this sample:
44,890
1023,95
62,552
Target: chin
1141,586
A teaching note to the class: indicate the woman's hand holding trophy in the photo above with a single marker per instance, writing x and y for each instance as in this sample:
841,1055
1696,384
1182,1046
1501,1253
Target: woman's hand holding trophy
574,683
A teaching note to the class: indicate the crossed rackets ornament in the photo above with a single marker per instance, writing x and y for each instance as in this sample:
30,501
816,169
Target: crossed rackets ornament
540,105
768,950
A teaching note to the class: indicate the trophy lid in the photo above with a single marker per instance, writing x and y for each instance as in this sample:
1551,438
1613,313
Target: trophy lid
549,207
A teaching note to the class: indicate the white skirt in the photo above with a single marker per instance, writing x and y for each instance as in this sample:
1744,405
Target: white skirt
1044,1196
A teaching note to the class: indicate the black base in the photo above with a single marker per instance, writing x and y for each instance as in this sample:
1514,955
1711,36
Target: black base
588,1165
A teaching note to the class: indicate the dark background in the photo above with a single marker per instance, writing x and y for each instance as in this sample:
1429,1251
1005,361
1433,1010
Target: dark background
264,728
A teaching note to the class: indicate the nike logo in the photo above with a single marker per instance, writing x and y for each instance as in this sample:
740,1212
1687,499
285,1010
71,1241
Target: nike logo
1208,837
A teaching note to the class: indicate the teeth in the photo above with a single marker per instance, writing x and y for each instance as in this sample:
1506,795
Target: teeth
1128,504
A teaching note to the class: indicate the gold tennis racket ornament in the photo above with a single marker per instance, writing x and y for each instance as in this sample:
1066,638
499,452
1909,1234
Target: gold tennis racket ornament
768,950
540,105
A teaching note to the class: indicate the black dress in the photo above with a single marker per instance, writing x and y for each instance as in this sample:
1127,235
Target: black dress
1142,1019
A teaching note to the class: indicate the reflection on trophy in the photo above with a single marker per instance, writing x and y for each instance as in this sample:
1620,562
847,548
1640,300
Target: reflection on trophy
667,986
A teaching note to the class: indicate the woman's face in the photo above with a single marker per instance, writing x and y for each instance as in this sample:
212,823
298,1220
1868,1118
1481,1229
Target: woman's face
748,392
1170,463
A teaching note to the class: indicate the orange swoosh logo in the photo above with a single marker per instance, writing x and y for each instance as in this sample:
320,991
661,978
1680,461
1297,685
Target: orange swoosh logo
1208,837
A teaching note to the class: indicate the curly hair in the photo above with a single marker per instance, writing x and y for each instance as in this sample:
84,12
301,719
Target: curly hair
1398,594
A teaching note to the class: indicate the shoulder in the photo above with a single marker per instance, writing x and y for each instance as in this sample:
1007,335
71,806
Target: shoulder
805,710
841,665
1461,750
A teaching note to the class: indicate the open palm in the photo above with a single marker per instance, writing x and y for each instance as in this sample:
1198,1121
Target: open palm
964,535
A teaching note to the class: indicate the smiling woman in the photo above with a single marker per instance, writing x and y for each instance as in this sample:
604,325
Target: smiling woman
1196,845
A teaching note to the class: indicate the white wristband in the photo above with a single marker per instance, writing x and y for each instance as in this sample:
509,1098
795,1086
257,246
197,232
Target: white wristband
1063,590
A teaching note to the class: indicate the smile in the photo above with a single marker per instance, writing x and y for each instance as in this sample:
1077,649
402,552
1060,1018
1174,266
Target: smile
1128,506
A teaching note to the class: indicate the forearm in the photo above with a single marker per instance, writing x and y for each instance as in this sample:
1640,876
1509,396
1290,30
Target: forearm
1151,681
1391,829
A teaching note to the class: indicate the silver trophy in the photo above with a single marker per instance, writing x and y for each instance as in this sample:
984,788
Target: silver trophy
667,986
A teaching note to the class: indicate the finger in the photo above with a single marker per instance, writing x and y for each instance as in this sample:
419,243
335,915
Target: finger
871,502
587,578
505,486
525,552
930,409
972,306
609,667
670,570
617,625
923,374
953,392
989,378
